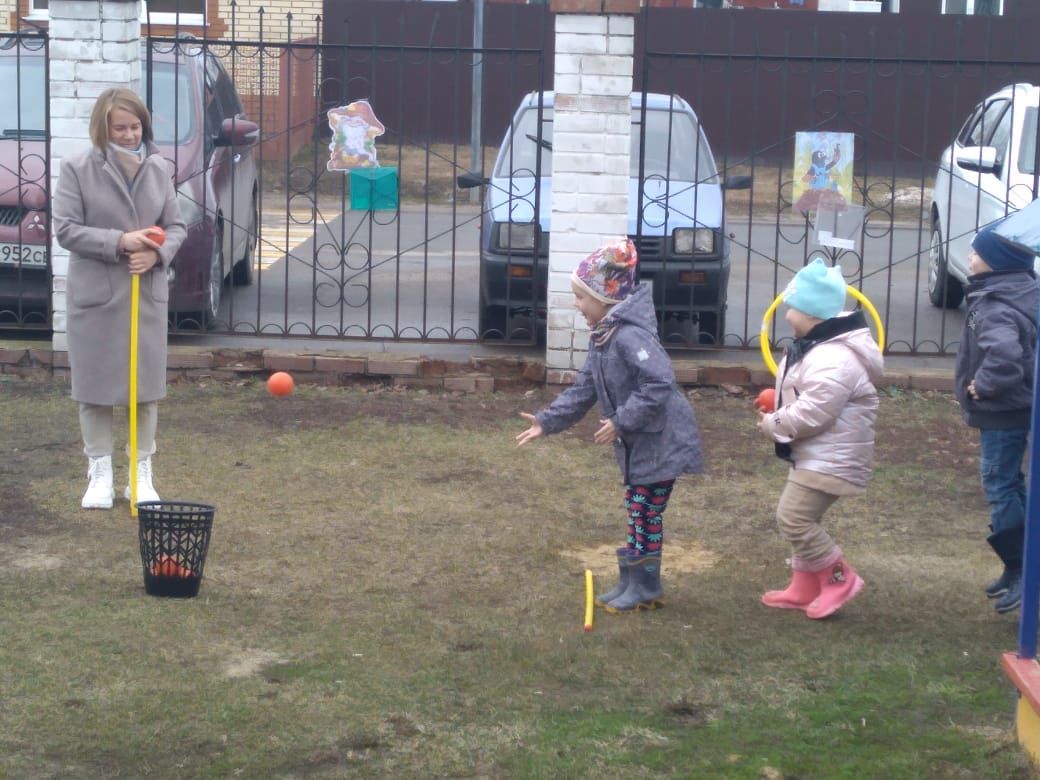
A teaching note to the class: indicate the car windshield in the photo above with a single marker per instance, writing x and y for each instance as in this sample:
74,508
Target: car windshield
174,109
1027,153
675,147
24,111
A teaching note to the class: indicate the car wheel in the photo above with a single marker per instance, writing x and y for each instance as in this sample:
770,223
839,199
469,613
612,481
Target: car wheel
216,279
492,322
242,273
711,329
944,291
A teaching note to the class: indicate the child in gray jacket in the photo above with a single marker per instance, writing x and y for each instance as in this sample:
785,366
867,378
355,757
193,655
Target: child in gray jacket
993,380
643,415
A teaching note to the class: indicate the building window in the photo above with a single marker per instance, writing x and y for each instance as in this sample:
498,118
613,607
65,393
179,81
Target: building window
191,12
974,7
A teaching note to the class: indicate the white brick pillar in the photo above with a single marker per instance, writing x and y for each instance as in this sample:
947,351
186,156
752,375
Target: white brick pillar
94,45
590,162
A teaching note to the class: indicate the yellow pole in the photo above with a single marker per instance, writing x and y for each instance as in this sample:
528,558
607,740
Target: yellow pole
135,298
588,600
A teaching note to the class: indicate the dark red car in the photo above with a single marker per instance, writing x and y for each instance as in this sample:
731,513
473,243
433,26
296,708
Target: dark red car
198,123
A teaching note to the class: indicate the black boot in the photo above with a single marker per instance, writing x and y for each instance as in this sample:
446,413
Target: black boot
624,555
1008,544
644,585
999,586
1013,598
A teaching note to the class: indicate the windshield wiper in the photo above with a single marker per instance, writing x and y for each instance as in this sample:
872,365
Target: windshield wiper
14,132
540,141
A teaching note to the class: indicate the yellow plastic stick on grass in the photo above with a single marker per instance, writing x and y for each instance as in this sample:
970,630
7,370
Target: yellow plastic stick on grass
135,300
588,600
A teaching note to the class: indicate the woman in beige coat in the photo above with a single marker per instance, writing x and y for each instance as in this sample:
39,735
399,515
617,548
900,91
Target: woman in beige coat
106,199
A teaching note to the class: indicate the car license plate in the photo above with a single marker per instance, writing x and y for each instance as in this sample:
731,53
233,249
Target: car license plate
28,255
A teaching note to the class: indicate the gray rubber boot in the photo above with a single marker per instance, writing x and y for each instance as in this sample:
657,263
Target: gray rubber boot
624,555
644,586
1007,544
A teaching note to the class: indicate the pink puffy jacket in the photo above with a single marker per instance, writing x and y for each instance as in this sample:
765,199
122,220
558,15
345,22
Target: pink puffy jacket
829,406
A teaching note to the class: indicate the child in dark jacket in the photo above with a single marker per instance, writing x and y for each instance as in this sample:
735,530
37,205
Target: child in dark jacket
994,386
643,415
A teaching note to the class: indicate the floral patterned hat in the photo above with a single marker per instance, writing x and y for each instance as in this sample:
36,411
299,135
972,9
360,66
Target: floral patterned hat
609,273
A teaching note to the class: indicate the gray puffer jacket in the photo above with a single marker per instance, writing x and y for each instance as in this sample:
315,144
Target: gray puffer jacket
827,401
997,350
632,378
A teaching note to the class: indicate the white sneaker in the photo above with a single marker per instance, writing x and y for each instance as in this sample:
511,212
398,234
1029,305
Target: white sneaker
145,489
99,492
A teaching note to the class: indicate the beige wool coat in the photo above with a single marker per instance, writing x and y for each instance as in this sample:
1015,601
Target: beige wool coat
92,208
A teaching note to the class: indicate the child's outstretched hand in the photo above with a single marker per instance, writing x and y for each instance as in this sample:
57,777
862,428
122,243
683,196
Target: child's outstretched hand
606,433
533,432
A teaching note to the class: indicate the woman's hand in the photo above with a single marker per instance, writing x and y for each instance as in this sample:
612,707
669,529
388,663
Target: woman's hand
142,253
142,261
136,241
606,433
534,432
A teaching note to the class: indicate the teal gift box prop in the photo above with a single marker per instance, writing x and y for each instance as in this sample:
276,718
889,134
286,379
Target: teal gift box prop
373,189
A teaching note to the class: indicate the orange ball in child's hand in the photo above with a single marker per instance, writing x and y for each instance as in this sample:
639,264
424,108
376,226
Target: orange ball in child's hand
766,401
156,234
280,383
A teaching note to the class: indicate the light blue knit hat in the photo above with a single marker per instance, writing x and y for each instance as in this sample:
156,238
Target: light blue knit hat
817,290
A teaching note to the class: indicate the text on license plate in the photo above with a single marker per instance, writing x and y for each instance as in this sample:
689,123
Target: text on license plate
31,255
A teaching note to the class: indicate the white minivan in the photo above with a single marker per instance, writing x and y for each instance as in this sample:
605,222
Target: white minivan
988,171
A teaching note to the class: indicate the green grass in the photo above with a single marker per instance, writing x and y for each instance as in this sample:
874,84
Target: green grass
383,598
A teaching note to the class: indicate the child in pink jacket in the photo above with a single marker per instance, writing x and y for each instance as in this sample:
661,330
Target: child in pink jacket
823,425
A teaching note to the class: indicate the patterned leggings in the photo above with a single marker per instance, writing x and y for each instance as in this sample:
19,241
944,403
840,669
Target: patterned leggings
646,505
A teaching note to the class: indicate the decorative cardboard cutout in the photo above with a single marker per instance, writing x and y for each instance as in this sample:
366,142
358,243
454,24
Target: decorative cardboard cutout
822,171
354,130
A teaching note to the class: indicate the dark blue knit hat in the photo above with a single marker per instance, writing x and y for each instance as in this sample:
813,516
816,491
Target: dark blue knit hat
999,253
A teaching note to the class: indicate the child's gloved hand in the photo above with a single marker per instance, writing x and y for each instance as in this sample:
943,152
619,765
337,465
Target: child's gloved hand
533,432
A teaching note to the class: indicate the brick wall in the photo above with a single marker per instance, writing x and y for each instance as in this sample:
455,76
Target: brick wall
8,15
276,27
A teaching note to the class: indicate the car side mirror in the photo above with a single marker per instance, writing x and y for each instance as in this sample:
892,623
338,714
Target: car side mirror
238,132
737,183
982,159
469,180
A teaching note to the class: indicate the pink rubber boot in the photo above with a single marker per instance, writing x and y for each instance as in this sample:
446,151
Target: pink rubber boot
839,584
800,592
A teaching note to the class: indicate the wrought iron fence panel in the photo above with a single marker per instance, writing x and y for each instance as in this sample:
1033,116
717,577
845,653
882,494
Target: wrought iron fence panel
25,257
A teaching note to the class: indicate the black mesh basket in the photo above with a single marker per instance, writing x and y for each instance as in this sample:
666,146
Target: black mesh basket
174,539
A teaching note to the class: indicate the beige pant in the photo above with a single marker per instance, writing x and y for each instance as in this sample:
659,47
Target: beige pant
95,422
798,516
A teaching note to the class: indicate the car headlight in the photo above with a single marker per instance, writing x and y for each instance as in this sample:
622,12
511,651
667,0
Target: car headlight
515,237
191,210
689,241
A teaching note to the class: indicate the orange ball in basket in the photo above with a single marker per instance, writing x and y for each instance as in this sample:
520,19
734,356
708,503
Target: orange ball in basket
156,233
766,401
167,566
280,383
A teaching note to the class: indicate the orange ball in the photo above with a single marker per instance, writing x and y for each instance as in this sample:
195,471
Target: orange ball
167,566
156,233
766,400
280,383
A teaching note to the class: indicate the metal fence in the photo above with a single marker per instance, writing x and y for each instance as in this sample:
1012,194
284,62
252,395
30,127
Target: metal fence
25,283
283,244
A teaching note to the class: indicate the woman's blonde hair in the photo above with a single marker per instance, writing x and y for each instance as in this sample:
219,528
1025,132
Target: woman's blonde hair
117,97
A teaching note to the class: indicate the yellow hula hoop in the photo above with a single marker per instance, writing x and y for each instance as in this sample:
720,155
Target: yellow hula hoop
763,334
